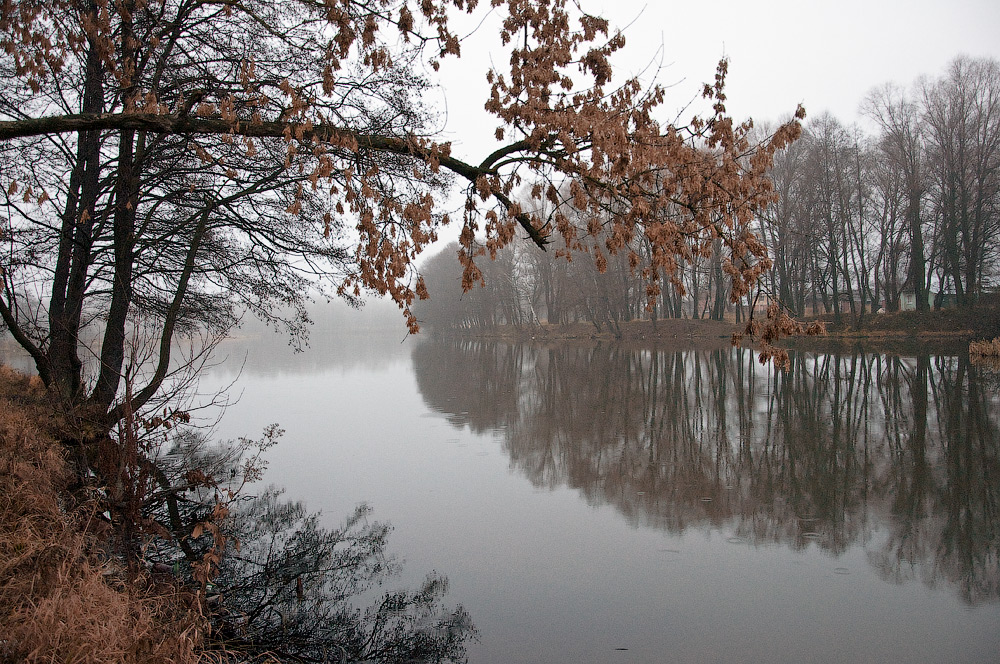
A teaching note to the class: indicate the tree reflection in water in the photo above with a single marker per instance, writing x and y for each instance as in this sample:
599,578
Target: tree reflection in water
293,588
898,454
290,589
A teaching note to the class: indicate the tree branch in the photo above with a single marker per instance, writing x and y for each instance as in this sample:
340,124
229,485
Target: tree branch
185,124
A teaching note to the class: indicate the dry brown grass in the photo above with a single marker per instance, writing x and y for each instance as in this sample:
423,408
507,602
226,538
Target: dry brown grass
985,348
60,601
986,354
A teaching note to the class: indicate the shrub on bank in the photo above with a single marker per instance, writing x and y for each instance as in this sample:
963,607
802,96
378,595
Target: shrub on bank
282,587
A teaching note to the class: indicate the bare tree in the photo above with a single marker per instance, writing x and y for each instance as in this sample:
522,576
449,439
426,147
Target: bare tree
902,147
962,115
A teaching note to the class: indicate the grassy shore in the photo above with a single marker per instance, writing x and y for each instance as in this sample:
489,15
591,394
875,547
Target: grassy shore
674,331
945,331
962,323
64,599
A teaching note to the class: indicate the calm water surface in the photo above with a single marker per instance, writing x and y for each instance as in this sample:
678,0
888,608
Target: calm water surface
602,504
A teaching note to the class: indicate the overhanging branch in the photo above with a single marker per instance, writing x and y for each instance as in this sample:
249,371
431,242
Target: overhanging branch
189,125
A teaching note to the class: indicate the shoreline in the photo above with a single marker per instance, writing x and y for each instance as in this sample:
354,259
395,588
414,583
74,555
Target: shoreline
948,328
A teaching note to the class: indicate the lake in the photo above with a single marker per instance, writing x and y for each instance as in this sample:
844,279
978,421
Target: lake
592,502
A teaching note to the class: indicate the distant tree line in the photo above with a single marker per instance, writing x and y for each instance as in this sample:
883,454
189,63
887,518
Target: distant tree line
904,216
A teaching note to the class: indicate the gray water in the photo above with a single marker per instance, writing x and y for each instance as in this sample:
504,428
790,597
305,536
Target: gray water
593,503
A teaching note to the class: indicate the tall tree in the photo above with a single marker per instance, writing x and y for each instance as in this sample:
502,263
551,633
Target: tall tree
187,155
962,114
786,228
903,150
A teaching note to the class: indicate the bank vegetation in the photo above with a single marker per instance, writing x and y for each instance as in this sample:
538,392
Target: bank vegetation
64,598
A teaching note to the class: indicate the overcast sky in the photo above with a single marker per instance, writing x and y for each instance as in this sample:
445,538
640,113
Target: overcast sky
826,55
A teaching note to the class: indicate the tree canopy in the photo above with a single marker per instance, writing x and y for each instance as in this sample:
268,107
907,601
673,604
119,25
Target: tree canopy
171,162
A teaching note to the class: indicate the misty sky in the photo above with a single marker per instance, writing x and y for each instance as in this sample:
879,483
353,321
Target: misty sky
825,55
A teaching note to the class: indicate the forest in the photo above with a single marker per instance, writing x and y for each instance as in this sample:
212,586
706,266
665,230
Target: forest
900,212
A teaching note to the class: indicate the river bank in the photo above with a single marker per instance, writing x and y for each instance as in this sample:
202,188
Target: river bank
948,328
65,599
117,572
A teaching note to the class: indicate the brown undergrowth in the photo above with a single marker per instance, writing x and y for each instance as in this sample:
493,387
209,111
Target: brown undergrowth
63,600
986,353
985,348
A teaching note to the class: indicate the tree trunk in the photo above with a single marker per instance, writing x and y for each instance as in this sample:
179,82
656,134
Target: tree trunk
62,369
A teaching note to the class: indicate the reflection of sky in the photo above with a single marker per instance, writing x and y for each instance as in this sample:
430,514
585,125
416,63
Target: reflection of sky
548,577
